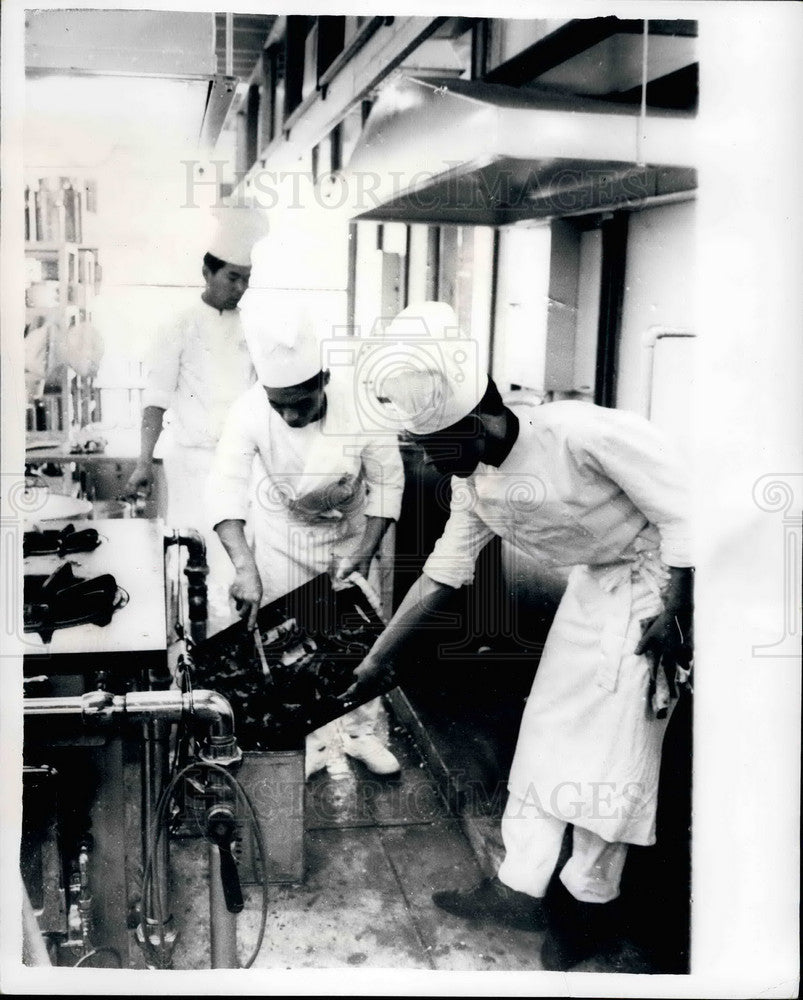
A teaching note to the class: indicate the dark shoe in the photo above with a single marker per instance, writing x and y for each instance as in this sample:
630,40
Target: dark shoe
577,931
493,900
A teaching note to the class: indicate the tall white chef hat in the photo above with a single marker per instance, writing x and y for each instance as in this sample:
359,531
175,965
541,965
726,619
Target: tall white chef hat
237,230
426,372
282,363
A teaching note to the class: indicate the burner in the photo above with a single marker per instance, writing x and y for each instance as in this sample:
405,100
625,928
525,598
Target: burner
62,600
68,540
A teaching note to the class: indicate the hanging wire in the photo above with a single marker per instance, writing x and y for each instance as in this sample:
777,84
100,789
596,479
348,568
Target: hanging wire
181,754
160,953
84,959
642,121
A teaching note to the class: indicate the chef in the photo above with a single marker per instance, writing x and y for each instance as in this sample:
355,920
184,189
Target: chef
575,485
200,364
326,492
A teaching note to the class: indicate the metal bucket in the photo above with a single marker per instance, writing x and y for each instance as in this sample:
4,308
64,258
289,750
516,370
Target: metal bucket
274,782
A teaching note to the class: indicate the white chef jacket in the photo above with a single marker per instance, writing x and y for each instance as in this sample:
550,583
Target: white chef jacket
600,490
200,364
315,484
580,485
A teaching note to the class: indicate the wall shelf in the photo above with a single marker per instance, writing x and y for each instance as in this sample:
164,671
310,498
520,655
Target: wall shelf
59,295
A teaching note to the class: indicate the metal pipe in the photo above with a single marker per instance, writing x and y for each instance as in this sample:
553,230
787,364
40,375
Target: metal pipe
196,571
147,799
153,781
61,707
229,44
102,707
214,709
161,765
222,924
34,949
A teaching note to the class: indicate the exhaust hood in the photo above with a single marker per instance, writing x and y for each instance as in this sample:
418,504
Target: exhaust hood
441,150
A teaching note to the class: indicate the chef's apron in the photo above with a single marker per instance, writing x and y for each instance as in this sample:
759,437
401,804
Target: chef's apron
301,533
589,746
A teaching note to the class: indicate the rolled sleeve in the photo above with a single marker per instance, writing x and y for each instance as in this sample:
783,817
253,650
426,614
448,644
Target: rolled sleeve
384,478
230,478
454,556
163,364
645,464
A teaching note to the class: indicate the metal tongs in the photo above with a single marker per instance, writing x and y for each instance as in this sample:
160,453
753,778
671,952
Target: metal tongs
261,652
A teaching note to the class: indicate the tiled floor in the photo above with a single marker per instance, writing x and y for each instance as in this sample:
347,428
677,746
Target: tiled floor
374,853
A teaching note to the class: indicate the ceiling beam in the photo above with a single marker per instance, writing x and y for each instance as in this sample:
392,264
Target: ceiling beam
573,38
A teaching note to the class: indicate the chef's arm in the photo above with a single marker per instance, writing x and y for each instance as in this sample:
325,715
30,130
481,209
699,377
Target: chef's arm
141,479
423,605
360,560
246,590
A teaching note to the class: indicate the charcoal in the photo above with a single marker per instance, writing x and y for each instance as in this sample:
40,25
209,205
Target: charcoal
312,640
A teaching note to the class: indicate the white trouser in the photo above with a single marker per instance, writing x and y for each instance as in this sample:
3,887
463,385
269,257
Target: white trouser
533,839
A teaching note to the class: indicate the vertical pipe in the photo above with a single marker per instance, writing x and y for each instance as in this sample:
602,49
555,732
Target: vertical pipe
642,120
34,949
494,295
612,292
222,924
146,800
351,285
229,44
161,770
153,763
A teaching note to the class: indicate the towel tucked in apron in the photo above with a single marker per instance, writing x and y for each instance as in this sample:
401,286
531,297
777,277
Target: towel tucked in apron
589,747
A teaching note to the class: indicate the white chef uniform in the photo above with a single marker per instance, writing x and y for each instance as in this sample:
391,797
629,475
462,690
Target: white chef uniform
600,490
200,364
301,473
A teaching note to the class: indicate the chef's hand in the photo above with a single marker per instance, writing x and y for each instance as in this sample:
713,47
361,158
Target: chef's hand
246,592
140,481
667,640
669,635
369,676
667,645
353,564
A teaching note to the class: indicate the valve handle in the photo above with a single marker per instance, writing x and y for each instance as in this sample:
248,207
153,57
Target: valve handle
219,830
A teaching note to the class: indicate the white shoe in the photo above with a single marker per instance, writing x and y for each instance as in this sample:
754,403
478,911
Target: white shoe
368,749
315,759
338,767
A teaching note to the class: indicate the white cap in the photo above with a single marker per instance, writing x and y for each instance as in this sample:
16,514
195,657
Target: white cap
427,370
236,232
281,364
